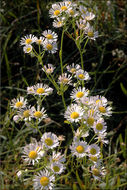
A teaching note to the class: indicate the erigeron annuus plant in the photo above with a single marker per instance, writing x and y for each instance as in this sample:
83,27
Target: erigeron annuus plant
85,115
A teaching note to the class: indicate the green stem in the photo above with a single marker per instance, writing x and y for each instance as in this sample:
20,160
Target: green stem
61,51
63,100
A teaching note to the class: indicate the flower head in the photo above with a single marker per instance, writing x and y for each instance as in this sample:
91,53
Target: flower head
28,39
19,103
50,140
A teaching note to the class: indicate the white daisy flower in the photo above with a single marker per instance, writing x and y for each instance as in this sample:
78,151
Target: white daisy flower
42,89
100,126
25,113
73,68
30,90
40,40
93,150
65,79
82,9
27,49
78,94
51,47
48,68
43,180
64,6
19,102
50,35
28,39
82,24
72,12
31,153
104,111
82,75
79,148
91,34
38,113
88,16
81,132
55,11
57,157
50,140
59,22
100,99
74,113
94,159
102,138
90,117
57,167
97,172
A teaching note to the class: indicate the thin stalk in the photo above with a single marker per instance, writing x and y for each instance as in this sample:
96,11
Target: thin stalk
61,51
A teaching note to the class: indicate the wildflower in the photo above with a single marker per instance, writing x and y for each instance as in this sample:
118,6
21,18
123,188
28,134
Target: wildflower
82,9
79,148
51,47
100,126
50,35
101,138
50,140
57,167
104,111
82,24
72,12
57,157
97,172
64,6
93,150
59,22
28,39
38,113
74,113
73,68
43,180
48,69
91,34
16,118
55,11
40,40
42,89
30,90
88,16
27,49
19,102
65,79
81,132
31,153
82,75
25,113
100,100
79,93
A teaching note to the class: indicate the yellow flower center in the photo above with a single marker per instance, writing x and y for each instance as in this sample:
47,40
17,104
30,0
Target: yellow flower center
59,23
73,70
74,115
102,109
63,8
96,172
49,36
90,34
79,94
97,101
19,104
49,141
40,90
26,113
80,149
99,126
37,114
28,41
90,120
56,168
49,46
84,11
49,70
93,158
32,155
28,49
93,151
39,41
65,80
72,12
56,13
81,76
44,181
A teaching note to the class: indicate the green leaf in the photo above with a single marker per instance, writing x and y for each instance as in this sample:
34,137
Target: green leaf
124,90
